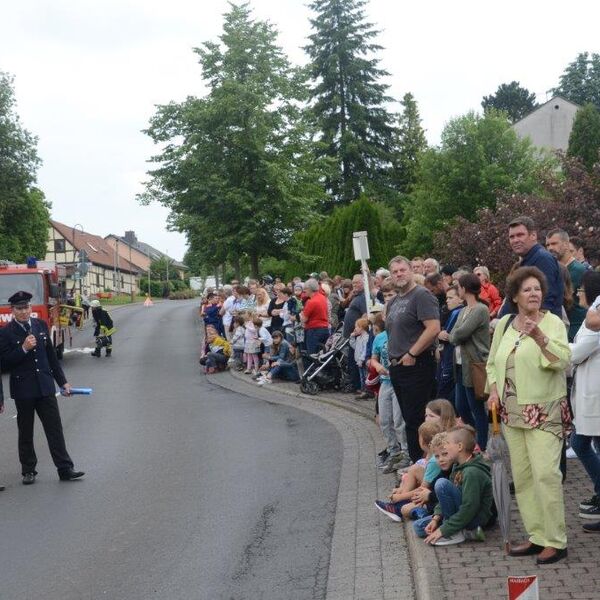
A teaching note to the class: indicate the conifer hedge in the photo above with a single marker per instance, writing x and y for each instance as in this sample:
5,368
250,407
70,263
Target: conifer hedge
327,245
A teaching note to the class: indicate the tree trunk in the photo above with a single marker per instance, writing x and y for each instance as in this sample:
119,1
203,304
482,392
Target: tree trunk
254,265
223,269
237,268
216,277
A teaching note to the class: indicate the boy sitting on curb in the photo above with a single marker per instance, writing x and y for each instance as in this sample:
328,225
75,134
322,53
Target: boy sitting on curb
465,501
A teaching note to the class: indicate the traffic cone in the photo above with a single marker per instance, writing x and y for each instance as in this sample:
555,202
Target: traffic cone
148,301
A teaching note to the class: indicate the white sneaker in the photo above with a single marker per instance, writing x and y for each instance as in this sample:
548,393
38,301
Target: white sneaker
571,453
263,381
457,538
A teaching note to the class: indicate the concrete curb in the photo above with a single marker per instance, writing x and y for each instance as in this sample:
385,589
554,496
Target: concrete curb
425,567
424,564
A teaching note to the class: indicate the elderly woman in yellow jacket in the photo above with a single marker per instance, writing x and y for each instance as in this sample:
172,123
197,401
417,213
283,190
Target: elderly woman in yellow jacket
527,382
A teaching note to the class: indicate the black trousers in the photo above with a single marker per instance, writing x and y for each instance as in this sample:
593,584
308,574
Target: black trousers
413,387
47,410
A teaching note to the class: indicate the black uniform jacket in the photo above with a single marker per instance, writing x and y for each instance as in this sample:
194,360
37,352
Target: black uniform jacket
32,374
101,317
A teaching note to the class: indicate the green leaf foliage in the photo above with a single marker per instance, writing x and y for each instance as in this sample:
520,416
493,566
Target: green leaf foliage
24,212
348,101
237,166
580,81
328,245
514,100
479,156
584,141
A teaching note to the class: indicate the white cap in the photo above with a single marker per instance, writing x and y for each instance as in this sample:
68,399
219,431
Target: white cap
95,303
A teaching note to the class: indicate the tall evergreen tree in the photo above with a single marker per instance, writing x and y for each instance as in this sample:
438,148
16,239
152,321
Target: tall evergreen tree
580,81
237,168
514,100
348,100
584,141
411,143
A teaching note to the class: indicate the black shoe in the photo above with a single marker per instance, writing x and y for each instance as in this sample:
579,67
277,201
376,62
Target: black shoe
96,354
2,488
381,458
28,478
70,475
593,501
593,513
592,527
555,556
108,353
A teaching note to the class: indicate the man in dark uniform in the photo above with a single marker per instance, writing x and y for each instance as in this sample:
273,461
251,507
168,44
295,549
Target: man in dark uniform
103,330
1,411
26,350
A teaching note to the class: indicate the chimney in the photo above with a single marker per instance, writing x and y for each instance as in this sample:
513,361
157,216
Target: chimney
130,238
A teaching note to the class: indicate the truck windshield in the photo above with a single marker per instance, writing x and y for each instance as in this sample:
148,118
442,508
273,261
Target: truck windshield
27,282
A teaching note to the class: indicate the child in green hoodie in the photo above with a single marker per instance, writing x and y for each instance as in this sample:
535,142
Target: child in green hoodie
465,501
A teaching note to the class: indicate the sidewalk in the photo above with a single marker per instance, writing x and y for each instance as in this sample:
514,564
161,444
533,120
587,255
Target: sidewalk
474,570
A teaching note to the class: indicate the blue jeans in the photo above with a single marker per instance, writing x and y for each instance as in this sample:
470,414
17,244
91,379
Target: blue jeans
471,411
362,372
582,444
288,372
314,338
450,498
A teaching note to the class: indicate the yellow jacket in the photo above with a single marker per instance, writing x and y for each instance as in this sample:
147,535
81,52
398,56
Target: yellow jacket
220,343
536,378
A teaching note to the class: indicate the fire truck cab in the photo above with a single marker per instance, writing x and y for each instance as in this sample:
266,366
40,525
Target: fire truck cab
45,281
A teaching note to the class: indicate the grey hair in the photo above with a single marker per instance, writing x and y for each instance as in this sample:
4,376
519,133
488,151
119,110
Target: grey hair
435,262
228,289
382,273
399,259
484,270
311,284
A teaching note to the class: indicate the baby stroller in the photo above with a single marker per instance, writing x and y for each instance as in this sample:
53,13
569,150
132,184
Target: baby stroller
326,369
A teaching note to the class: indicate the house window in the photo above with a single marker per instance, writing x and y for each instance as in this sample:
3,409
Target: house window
59,245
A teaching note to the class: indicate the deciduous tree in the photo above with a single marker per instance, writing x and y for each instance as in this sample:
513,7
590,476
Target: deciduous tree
24,212
514,100
584,141
237,168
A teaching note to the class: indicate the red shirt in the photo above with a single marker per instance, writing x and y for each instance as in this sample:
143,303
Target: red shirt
315,312
490,294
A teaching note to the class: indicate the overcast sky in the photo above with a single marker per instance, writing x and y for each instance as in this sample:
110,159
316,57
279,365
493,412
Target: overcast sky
88,75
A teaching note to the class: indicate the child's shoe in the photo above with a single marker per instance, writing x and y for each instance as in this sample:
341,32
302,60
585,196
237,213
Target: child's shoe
247,372
474,535
390,509
457,538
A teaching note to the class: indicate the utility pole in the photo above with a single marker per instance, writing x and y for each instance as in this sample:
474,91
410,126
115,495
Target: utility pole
149,262
118,270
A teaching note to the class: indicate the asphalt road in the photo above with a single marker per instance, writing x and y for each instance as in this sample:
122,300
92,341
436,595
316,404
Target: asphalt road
191,492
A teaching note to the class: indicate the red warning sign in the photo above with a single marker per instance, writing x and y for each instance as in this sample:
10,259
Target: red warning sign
523,588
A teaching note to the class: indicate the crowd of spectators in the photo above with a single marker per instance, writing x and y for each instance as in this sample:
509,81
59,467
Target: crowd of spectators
437,347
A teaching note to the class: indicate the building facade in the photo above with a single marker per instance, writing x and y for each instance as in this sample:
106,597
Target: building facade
108,271
549,126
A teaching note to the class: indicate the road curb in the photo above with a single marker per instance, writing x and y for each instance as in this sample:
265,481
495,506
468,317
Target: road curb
424,564
425,567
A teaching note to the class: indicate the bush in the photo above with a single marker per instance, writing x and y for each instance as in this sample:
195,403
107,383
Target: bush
183,294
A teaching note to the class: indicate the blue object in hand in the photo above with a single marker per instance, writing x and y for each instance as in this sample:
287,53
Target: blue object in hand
78,391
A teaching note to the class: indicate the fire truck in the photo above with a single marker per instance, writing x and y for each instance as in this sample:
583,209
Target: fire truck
45,281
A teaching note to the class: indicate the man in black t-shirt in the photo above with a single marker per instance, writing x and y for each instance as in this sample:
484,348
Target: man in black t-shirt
412,324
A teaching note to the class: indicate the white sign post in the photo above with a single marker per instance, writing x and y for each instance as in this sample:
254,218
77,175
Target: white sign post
360,243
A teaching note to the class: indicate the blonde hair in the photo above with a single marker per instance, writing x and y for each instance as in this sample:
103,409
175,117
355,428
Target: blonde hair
439,440
465,435
445,411
428,430
362,323
419,279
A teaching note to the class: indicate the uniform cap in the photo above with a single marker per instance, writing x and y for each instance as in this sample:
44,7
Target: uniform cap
95,303
20,298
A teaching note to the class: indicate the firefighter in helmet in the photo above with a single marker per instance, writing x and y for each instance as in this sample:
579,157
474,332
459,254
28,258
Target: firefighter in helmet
104,329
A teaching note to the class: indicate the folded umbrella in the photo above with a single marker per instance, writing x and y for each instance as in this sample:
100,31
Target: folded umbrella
497,450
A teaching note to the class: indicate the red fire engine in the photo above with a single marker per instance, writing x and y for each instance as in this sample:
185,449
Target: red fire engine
45,281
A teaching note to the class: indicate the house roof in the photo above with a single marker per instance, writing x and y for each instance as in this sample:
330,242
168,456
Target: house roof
98,250
149,250
553,99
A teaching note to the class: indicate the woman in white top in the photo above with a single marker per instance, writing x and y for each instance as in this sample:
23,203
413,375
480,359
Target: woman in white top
262,306
585,398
